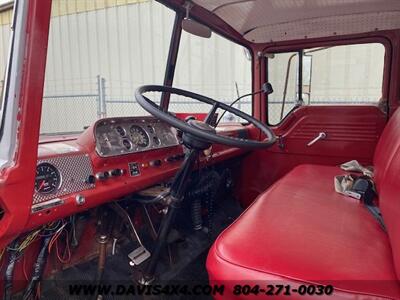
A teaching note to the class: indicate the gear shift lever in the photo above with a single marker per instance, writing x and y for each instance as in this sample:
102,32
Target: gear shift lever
178,190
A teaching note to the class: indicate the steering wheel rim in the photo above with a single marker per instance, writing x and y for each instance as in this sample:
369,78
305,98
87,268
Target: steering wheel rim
156,111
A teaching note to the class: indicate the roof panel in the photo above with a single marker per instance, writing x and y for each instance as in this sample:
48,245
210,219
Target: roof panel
266,20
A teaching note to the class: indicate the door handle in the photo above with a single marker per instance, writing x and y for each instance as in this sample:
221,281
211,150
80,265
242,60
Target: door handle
320,136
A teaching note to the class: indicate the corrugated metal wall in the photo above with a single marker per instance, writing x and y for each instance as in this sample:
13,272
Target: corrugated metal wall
126,43
123,44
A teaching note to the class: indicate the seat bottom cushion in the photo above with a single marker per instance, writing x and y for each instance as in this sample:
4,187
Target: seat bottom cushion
302,231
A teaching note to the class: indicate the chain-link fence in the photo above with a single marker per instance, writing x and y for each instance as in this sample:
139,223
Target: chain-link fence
71,112
74,111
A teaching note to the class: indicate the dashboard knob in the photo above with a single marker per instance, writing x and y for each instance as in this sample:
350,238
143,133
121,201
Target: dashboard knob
170,159
101,175
91,179
116,172
179,156
80,199
155,163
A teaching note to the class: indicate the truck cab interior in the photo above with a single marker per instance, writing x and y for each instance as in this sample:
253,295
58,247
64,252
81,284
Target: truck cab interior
191,149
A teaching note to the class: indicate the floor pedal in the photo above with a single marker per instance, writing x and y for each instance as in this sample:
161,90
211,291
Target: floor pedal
138,256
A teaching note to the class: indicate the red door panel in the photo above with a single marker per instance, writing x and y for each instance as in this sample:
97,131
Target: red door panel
352,133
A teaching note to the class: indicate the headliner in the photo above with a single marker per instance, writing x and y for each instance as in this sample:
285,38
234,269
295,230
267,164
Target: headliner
262,21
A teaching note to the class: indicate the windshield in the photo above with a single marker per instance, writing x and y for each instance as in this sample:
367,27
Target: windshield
216,68
98,54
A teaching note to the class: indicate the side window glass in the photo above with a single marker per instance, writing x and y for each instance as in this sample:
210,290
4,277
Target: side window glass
5,33
282,68
339,75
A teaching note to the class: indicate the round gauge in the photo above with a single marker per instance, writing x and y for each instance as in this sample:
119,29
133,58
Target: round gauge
150,129
127,144
120,130
47,179
156,141
139,136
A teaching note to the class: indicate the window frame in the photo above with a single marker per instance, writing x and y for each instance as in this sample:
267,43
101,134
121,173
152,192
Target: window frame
344,41
6,80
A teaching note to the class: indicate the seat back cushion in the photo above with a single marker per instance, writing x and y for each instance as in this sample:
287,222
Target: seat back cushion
389,199
387,146
387,180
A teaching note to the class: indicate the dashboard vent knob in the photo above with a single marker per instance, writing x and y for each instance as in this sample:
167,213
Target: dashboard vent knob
101,175
80,199
116,172
91,179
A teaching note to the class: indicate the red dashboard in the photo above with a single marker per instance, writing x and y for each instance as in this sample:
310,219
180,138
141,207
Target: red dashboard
88,179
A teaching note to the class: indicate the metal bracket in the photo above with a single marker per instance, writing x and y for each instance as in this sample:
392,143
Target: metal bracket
281,143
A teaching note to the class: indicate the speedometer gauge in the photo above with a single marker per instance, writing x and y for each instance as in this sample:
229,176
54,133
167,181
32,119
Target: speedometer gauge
139,137
47,179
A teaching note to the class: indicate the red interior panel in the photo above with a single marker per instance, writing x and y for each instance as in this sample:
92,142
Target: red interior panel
352,133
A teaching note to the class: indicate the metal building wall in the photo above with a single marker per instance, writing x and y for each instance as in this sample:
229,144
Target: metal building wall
5,20
107,42
126,43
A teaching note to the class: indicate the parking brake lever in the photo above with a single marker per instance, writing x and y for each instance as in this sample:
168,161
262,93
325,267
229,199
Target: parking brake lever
320,136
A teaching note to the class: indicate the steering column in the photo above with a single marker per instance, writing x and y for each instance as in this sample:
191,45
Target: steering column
177,192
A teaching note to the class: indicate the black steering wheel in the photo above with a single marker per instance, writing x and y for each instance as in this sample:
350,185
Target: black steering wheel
203,130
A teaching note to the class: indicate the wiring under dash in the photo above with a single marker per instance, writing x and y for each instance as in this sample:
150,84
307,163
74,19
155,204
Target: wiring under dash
49,236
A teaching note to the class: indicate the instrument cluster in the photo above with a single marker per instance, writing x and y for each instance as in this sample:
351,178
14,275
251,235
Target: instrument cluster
119,136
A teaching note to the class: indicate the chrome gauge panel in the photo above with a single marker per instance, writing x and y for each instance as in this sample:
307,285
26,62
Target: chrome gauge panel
119,136
61,175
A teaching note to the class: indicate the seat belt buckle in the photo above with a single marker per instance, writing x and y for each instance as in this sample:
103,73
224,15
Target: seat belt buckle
365,188
353,194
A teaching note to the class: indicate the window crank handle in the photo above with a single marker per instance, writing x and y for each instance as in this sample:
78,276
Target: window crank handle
320,136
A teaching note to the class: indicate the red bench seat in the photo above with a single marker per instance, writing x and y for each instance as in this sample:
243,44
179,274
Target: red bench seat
300,231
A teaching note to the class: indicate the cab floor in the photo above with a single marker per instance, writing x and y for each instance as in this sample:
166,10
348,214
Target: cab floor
189,255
